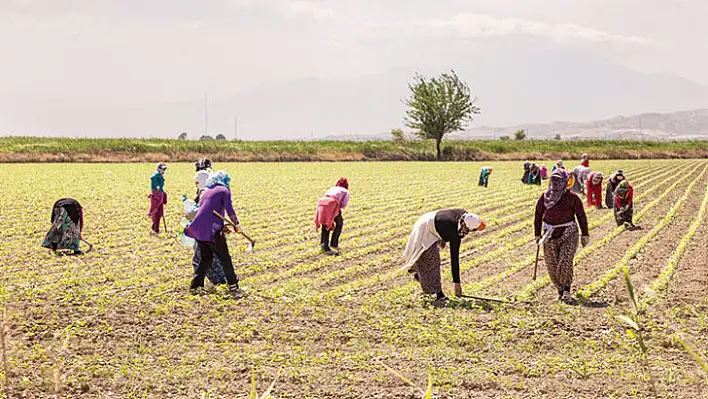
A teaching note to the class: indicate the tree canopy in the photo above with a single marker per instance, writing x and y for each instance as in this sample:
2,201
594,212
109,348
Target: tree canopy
438,106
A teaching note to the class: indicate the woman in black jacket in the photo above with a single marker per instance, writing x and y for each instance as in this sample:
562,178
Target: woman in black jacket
431,232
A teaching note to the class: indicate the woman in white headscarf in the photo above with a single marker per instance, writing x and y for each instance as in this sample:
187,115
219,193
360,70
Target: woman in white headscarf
431,232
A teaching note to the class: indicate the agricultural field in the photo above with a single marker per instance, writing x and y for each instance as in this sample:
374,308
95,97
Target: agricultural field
119,322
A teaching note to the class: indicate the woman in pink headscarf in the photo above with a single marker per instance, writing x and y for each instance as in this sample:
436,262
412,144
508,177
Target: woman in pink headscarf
329,216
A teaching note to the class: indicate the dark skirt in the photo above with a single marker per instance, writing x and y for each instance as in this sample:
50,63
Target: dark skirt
625,215
428,269
215,274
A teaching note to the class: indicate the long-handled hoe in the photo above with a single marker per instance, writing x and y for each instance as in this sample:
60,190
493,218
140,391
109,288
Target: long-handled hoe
489,299
252,242
535,266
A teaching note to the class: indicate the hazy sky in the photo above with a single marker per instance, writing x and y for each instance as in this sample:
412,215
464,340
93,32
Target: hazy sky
175,49
144,51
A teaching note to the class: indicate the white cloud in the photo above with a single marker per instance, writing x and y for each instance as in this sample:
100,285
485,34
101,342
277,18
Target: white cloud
478,25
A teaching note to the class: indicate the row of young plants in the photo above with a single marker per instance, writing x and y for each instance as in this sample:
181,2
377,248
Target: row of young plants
601,282
516,267
401,291
266,254
528,292
658,288
74,281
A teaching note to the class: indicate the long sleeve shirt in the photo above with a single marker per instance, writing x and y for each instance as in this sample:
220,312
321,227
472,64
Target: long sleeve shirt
447,224
157,182
568,208
341,194
206,225
620,202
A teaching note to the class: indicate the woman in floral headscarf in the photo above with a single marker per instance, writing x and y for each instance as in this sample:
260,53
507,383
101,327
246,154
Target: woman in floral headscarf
556,211
329,216
624,204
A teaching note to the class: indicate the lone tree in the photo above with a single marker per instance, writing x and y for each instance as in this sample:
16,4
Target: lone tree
504,138
182,136
439,106
220,137
520,134
557,137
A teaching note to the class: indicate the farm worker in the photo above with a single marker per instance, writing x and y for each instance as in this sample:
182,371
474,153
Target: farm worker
158,197
534,175
594,189
329,216
571,179
67,225
558,164
430,233
215,273
203,164
556,211
612,182
624,204
209,232
527,170
581,176
484,176
585,161
544,172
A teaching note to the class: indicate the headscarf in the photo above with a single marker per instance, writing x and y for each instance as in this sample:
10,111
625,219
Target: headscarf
543,165
571,179
557,187
220,178
560,164
201,178
202,164
597,178
472,221
161,167
343,182
623,189
616,176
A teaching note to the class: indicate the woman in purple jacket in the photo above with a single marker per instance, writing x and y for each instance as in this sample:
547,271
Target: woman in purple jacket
209,232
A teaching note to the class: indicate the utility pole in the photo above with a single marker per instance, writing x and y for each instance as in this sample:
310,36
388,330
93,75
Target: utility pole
235,127
206,115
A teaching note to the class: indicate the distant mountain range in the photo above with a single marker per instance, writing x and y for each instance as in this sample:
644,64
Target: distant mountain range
517,89
682,125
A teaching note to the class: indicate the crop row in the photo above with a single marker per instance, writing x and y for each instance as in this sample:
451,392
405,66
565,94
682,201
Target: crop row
529,291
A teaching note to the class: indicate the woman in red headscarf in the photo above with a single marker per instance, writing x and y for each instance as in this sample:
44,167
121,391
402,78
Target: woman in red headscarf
329,215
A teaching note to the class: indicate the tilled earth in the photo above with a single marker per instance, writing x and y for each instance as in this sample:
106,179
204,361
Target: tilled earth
118,322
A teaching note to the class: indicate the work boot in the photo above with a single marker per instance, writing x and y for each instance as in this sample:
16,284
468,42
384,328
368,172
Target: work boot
328,251
567,298
440,302
236,292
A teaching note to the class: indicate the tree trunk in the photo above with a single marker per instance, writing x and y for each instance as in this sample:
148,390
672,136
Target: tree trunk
437,147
